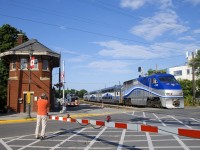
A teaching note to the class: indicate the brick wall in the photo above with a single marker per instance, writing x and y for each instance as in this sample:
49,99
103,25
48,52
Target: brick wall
18,86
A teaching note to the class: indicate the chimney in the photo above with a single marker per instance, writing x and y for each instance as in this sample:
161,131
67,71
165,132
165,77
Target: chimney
20,39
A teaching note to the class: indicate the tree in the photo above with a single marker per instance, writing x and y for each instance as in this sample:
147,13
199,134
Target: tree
151,71
186,86
81,93
196,63
8,40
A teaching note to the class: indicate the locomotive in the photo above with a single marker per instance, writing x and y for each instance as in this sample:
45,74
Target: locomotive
157,90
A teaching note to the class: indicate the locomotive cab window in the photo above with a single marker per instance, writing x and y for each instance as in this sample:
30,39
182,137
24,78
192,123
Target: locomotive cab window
168,79
154,81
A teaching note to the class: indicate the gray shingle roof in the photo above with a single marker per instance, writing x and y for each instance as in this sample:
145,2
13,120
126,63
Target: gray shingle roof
33,44
36,46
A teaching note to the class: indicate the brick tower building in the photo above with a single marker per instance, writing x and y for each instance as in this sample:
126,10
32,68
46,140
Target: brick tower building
25,83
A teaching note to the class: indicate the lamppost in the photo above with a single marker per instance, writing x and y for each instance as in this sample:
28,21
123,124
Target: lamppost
29,84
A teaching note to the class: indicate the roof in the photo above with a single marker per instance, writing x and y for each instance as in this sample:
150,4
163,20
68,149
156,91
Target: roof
33,44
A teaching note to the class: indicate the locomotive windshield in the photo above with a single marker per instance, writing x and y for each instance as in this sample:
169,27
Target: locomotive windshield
168,79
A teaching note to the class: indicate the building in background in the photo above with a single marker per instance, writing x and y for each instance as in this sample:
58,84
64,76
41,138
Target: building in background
30,74
184,71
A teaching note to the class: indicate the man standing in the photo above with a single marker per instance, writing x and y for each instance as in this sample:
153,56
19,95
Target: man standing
42,105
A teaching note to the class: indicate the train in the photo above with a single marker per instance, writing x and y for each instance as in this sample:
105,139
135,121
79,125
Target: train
157,90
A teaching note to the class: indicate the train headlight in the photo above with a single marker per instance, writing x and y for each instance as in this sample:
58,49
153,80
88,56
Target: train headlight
176,102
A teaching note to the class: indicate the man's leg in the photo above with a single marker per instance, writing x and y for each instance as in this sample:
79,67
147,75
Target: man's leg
44,124
37,126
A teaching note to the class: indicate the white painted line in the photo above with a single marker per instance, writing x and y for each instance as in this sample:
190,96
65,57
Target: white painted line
29,145
149,141
181,143
94,140
56,146
148,136
160,120
181,122
195,120
144,117
121,140
5,145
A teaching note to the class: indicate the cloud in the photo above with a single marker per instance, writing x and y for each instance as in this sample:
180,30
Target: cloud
133,4
76,57
116,49
136,4
193,2
121,51
79,58
186,38
113,66
162,22
197,31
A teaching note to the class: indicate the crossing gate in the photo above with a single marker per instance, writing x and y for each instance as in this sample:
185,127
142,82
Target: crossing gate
193,133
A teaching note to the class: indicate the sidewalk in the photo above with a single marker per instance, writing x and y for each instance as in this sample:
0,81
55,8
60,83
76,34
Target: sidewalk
20,117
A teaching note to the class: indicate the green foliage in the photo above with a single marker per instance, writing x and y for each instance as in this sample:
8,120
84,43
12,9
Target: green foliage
151,71
8,38
186,86
196,63
188,100
72,91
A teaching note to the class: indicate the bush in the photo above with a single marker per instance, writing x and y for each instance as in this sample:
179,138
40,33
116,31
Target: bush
188,100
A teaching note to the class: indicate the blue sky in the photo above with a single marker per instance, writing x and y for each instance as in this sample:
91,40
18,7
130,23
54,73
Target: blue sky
103,42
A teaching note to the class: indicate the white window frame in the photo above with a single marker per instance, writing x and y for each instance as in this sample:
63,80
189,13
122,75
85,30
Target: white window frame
25,63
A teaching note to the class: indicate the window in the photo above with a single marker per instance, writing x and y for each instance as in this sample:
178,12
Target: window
178,73
45,65
168,79
13,65
23,63
35,63
188,71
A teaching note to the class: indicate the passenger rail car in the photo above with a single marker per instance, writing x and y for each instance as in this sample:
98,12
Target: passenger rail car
158,90
111,94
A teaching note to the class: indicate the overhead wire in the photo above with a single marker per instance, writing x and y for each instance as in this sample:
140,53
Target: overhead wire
86,31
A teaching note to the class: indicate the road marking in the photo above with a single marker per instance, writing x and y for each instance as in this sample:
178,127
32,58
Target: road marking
160,120
180,122
181,143
56,146
121,140
94,140
148,136
195,120
5,145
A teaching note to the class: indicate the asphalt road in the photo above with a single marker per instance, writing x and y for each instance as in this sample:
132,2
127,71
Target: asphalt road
63,135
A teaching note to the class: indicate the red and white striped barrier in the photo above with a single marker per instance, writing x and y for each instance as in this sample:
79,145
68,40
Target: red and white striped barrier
136,127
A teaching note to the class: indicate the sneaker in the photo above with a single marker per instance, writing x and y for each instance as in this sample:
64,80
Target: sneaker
37,137
42,138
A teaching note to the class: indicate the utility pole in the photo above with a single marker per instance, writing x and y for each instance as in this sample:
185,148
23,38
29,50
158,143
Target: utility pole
193,80
29,83
59,88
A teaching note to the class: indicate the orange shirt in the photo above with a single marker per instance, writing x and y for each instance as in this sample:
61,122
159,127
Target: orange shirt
42,106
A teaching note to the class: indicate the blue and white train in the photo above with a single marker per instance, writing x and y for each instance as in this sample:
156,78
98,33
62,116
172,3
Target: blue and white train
158,90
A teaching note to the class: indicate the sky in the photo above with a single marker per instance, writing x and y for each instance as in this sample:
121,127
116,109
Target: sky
103,42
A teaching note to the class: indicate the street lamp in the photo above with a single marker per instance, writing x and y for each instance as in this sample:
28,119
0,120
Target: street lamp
29,82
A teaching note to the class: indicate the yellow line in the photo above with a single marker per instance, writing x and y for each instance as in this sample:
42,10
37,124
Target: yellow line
16,120
34,119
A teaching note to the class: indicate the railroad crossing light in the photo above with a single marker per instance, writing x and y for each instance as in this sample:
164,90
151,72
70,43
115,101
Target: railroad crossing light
58,84
139,69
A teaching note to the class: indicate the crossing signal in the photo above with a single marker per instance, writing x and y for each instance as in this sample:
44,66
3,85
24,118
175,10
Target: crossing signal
58,84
